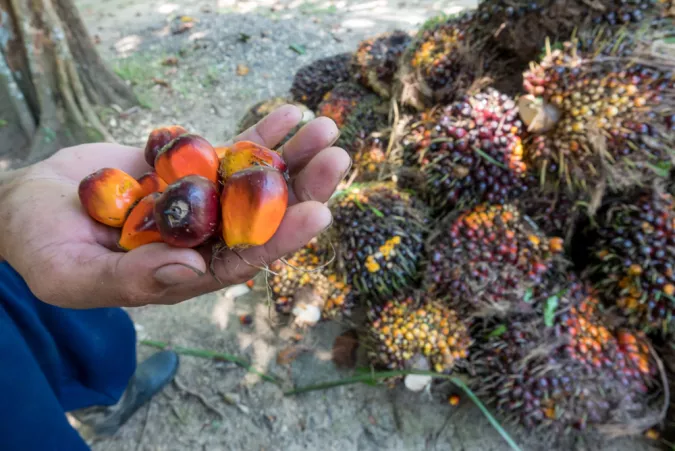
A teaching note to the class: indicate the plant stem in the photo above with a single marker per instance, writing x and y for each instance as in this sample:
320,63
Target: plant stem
208,354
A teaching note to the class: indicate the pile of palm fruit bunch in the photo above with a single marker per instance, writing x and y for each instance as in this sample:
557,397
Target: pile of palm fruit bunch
509,217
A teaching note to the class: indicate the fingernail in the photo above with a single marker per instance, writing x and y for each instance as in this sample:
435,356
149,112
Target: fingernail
176,274
329,224
349,168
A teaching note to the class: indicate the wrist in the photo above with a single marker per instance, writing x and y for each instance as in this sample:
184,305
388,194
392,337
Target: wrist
8,181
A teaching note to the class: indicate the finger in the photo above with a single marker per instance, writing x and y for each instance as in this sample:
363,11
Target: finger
310,140
318,180
301,223
272,128
88,275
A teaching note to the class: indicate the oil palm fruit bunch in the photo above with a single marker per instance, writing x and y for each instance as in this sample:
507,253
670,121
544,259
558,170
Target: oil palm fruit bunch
491,255
521,27
375,62
312,81
261,109
439,63
380,232
468,152
195,193
601,115
343,100
370,157
404,331
526,371
632,258
309,269
556,212
359,113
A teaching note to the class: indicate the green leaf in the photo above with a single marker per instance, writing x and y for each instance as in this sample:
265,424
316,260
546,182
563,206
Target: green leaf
661,169
243,37
3,122
297,48
498,331
549,310
377,212
359,204
363,370
528,295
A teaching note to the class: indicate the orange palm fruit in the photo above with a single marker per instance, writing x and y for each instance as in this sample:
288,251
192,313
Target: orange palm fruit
159,138
245,154
140,227
108,195
253,203
187,155
152,183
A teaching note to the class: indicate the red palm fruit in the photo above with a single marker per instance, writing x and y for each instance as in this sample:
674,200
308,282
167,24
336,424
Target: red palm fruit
186,213
253,203
159,138
108,195
187,155
152,183
245,154
140,227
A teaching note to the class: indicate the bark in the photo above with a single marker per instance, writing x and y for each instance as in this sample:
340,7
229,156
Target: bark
51,80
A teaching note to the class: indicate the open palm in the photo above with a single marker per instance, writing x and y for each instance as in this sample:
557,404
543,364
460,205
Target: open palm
69,260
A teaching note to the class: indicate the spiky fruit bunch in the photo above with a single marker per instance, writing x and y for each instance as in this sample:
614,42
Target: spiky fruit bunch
439,63
306,269
358,123
314,80
343,100
404,330
556,212
491,255
375,62
633,258
380,231
603,116
528,374
469,152
521,27
261,109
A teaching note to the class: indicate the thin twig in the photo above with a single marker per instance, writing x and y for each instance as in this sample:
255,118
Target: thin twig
200,397
145,424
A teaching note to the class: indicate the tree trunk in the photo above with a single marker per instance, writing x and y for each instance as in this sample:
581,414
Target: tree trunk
51,80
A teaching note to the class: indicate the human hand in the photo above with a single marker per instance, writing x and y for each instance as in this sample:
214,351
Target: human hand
68,259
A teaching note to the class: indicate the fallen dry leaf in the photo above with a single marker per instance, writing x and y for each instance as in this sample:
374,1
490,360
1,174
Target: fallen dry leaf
242,69
182,27
344,349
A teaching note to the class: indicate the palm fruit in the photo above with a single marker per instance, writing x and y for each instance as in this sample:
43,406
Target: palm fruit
380,231
469,152
402,331
343,100
375,62
491,255
439,63
261,109
538,376
632,258
312,81
305,269
600,115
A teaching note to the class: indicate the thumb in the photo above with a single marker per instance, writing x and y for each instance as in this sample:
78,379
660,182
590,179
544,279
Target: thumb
144,274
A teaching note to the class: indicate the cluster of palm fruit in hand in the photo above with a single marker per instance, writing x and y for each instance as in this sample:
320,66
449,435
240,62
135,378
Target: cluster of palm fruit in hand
509,213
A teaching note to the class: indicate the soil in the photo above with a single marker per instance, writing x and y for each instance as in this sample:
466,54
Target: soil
182,57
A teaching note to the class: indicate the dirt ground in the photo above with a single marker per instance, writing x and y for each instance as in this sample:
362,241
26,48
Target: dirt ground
191,78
